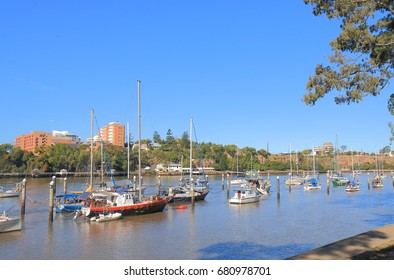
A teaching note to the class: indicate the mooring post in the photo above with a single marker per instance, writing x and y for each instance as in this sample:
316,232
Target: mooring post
192,186
369,183
51,196
222,181
277,187
159,188
23,197
54,186
328,182
392,179
65,185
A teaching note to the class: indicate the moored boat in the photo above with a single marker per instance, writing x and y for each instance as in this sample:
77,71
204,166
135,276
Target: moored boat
106,217
352,186
9,224
312,185
9,193
124,203
377,182
243,196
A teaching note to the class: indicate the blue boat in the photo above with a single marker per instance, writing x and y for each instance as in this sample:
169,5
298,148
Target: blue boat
70,202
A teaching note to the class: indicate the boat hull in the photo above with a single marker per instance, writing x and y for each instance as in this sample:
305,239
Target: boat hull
10,224
244,200
340,183
9,194
188,198
142,208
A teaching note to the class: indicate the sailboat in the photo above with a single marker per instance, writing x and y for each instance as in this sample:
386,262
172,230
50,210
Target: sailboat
293,180
377,181
126,203
354,185
71,202
337,177
313,183
188,189
239,179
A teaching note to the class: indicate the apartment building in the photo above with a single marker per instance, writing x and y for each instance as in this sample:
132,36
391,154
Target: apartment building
113,133
29,142
65,137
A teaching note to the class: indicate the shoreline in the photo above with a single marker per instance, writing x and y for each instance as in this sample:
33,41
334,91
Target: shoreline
377,244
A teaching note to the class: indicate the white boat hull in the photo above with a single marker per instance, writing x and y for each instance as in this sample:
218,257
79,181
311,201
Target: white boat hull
10,224
106,218
244,200
245,196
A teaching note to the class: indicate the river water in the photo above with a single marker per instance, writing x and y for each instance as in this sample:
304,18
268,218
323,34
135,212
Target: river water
273,229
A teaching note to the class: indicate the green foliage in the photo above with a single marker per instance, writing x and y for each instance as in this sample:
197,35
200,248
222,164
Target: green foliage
363,59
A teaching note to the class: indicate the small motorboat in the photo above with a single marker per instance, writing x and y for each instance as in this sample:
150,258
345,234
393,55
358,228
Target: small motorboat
243,196
106,217
9,224
9,193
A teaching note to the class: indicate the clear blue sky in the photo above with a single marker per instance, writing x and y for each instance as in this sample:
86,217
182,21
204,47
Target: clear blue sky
239,68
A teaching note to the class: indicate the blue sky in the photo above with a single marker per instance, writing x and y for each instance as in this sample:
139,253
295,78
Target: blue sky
239,68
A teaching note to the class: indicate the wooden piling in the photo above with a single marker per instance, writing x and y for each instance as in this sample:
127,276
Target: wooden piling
328,182
65,185
223,182
54,186
277,187
23,198
392,179
369,183
51,196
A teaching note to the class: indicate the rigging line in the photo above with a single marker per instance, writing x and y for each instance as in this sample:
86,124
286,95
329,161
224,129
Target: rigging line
106,155
199,153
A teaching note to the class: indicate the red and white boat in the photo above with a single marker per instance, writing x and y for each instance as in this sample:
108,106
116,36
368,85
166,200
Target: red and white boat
124,203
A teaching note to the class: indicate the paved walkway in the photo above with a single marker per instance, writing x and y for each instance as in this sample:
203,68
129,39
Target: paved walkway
347,248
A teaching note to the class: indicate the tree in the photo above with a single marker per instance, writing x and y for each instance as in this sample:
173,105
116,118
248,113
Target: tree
185,140
385,150
156,137
169,138
363,59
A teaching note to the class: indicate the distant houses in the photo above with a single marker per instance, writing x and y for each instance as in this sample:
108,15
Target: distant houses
175,168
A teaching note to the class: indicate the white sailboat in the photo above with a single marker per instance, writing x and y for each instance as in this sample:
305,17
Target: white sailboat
313,183
353,185
293,180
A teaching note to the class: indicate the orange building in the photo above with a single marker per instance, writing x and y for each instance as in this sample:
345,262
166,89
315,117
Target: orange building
29,142
113,133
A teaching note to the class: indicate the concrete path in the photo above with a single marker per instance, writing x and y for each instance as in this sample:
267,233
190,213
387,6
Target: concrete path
347,248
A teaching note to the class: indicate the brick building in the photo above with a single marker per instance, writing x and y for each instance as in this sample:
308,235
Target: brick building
113,133
29,142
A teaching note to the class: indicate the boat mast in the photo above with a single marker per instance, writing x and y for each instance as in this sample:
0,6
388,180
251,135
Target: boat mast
291,165
91,146
139,140
191,157
128,150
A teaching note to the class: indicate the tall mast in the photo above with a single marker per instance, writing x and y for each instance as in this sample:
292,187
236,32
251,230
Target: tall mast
128,150
191,158
191,147
139,139
91,146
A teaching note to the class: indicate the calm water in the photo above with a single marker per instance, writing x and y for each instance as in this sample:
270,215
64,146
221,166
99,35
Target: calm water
213,229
